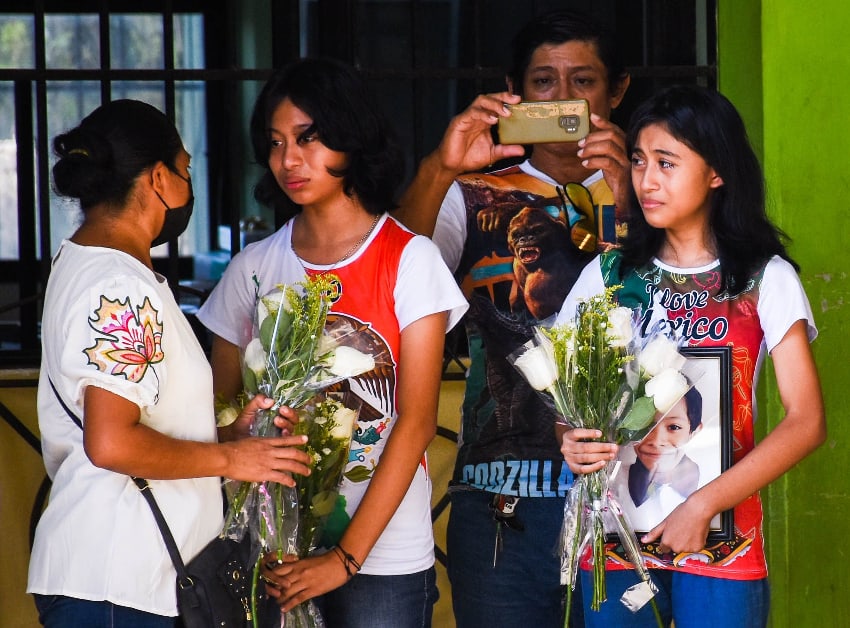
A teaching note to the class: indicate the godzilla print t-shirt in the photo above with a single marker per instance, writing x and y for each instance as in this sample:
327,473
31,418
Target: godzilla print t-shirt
527,239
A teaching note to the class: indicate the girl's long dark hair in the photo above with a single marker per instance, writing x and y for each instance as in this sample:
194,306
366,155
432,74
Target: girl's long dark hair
705,121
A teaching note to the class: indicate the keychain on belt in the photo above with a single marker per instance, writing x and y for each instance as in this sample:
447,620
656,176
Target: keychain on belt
503,510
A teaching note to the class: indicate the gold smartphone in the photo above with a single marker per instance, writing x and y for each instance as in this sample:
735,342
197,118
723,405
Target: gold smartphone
545,121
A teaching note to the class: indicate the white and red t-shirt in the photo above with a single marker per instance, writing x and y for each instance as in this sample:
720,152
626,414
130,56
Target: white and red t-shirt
393,280
688,302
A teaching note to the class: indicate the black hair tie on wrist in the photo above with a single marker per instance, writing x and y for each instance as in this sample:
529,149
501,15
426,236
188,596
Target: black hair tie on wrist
348,561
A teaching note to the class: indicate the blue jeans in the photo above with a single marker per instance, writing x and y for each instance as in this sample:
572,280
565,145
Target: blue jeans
365,601
59,611
688,600
523,590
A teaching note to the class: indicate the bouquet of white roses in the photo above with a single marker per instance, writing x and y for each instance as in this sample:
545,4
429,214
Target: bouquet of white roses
291,358
600,375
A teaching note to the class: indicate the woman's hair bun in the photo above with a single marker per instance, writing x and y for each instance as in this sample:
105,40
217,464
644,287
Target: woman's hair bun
84,169
100,160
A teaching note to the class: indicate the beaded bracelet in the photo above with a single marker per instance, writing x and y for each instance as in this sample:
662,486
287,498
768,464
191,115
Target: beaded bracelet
348,561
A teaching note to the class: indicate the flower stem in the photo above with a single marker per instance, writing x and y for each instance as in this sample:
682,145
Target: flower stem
657,613
596,482
255,578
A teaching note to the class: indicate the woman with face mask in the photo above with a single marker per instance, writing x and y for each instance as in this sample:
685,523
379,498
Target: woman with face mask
125,389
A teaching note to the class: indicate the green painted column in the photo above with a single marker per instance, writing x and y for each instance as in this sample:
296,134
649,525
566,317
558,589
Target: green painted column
786,64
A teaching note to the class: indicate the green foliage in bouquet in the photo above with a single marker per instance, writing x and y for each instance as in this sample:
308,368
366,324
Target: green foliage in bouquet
328,424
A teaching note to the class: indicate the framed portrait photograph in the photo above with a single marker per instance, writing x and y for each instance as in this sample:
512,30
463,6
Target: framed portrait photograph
688,447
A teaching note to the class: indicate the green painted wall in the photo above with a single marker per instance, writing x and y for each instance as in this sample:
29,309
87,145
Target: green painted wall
785,64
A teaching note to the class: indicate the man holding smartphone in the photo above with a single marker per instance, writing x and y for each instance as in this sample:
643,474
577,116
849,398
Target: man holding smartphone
516,239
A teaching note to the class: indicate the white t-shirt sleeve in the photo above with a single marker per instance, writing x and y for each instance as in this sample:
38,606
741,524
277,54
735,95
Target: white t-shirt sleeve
425,286
589,284
258,269
228,311
783,302
113,340
450,230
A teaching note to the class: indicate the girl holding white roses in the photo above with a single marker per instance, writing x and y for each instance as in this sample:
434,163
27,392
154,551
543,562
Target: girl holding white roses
703,258
332,168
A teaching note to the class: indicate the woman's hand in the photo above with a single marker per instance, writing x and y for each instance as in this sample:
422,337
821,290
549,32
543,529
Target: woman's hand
267,459
583,453
604,149
261,459
292,581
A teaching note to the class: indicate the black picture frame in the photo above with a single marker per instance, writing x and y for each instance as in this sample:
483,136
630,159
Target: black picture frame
710,449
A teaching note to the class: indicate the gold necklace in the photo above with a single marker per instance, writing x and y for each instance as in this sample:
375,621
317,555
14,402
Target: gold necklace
348,253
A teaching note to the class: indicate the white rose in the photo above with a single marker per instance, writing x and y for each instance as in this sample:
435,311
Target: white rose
327,344
620,327
271,303
255,357
537,366
659,354
226,416
344,423
666,389
348,362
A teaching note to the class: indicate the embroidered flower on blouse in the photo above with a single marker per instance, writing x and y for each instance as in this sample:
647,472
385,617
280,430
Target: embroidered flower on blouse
132,338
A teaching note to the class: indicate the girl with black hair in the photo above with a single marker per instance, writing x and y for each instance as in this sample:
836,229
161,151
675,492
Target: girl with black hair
118,354
332,167
703,261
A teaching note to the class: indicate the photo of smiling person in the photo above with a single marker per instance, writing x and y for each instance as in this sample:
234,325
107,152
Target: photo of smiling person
663,475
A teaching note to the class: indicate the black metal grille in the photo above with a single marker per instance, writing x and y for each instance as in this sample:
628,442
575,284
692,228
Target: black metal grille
427,59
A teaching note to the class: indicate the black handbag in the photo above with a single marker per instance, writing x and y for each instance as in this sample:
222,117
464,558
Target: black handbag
214,589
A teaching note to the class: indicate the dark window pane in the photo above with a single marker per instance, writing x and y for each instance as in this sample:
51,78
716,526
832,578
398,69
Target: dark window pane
71,41
189,41
8,175
67,103
135,41
17,44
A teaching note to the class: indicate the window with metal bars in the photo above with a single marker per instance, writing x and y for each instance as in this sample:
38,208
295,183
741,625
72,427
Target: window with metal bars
203,63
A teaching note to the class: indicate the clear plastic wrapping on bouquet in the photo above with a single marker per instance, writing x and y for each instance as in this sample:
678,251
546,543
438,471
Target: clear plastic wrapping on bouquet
297,349
296,352
591,512
305,615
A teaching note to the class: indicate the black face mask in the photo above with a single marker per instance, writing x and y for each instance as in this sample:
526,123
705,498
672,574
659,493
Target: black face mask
176,218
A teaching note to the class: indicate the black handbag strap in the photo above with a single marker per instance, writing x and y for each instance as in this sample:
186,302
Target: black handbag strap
73,416
182,575
183,578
